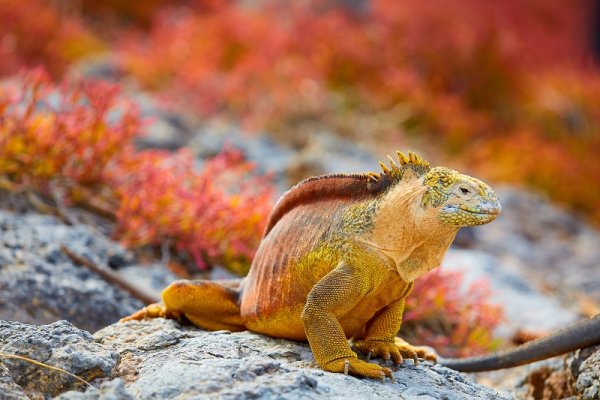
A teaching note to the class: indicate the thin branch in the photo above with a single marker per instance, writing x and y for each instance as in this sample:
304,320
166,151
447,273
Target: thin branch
111,277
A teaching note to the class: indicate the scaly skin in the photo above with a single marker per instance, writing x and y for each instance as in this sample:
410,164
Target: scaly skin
338,258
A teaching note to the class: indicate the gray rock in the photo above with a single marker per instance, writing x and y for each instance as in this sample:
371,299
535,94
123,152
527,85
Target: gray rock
59,345
166,130
152,279
584,367
321,153
575,376
39,284
109,390
160,359
269,156
8,388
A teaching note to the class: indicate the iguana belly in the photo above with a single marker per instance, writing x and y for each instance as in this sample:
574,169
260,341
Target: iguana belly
285,321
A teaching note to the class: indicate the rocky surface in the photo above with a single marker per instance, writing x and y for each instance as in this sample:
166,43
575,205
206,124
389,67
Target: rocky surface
318,153
59,345
584,368
39,284
159,359
109,390
576,376
8,388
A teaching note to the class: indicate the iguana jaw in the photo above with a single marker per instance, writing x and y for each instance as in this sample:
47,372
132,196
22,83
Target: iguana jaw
463,215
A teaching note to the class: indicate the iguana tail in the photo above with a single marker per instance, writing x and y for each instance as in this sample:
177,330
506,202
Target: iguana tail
576,336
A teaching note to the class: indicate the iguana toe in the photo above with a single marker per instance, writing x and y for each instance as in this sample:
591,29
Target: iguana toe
156,310
387,350
354,366
396,350
415,352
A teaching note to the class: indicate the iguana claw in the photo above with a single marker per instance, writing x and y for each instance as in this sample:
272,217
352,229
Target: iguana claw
354,366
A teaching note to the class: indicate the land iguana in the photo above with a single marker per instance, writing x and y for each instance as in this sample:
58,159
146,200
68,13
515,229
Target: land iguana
337,260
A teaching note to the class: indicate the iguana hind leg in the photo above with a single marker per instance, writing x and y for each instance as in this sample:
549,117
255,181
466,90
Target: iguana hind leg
380,337
212,305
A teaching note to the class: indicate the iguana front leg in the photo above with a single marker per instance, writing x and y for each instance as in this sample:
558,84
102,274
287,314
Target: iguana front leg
333,296
380,336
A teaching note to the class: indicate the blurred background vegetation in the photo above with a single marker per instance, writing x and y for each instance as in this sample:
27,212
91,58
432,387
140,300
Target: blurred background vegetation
508,90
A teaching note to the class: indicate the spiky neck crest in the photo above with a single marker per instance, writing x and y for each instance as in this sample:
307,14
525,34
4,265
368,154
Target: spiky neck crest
412,163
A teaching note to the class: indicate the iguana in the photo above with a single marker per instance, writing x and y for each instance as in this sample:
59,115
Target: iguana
338,257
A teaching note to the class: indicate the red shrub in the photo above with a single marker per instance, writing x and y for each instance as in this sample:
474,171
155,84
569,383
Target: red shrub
79,138
35,32
217,213
67,135
456,322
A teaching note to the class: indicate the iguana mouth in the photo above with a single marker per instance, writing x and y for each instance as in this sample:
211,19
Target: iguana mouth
487,209
490,212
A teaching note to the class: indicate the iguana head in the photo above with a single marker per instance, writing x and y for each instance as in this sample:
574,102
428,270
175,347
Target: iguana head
419,210
461,200
454,199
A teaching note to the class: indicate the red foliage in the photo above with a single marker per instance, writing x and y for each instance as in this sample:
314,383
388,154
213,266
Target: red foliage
35,32
68,135
456,322
236,56
78,137
217,213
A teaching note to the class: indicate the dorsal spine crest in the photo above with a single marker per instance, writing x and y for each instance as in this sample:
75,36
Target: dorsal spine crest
413,162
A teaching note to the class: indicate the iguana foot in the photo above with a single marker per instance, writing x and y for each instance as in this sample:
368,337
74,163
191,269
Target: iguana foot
357,367
422,352
396,350
156,310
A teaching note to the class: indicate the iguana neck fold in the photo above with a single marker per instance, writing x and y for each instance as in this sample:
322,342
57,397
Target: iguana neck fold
403,229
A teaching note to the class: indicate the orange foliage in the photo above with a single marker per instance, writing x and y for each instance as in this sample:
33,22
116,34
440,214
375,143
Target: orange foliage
68,135
441,314
34,32
78,138
555,147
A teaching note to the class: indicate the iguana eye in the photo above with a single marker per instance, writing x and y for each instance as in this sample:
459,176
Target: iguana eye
464,190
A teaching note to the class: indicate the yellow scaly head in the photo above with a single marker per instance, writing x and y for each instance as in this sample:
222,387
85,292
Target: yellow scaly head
461,200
